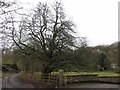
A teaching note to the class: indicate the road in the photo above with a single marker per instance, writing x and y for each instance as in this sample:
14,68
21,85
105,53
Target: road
13,82
92,85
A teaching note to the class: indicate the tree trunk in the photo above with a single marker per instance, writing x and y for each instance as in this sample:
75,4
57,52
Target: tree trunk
47,70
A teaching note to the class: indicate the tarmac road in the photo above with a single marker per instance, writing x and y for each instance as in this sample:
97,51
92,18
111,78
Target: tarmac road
13,82
92,85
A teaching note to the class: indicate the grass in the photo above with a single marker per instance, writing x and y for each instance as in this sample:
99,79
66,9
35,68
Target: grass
101,74
78,73
106,73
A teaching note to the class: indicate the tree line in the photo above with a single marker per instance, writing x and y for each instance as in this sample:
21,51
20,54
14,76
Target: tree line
97,58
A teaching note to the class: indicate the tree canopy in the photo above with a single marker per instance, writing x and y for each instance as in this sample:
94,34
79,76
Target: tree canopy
45,34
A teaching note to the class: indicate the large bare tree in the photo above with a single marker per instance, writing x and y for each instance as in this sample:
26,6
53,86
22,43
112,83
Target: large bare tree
45,34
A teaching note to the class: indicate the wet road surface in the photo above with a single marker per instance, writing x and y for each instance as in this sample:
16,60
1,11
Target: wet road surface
92,85
13,82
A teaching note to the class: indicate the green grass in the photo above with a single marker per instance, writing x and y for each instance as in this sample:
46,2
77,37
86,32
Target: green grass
105,73
78,73
108,74
7,62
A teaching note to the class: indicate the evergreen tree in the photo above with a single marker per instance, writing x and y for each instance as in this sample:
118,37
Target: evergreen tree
103,62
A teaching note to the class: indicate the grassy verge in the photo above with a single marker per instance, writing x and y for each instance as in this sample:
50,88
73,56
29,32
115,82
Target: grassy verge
108,74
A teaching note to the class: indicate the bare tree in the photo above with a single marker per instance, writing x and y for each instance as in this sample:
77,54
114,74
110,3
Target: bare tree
47,33
8,9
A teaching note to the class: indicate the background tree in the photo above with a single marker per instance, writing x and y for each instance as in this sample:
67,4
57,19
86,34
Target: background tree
103,62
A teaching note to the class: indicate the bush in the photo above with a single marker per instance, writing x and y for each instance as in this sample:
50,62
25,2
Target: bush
13,66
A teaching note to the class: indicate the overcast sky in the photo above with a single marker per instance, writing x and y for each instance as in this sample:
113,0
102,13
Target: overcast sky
95,19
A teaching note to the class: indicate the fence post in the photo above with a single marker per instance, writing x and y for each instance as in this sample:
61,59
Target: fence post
49,76
65,80
61,77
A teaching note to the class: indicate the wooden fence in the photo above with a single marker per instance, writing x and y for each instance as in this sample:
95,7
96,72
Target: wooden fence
47,80
50,78
60,79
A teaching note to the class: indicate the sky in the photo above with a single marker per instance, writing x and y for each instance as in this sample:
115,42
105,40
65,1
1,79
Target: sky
95,19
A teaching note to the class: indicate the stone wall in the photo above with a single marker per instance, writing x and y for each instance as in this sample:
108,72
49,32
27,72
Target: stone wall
91,78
